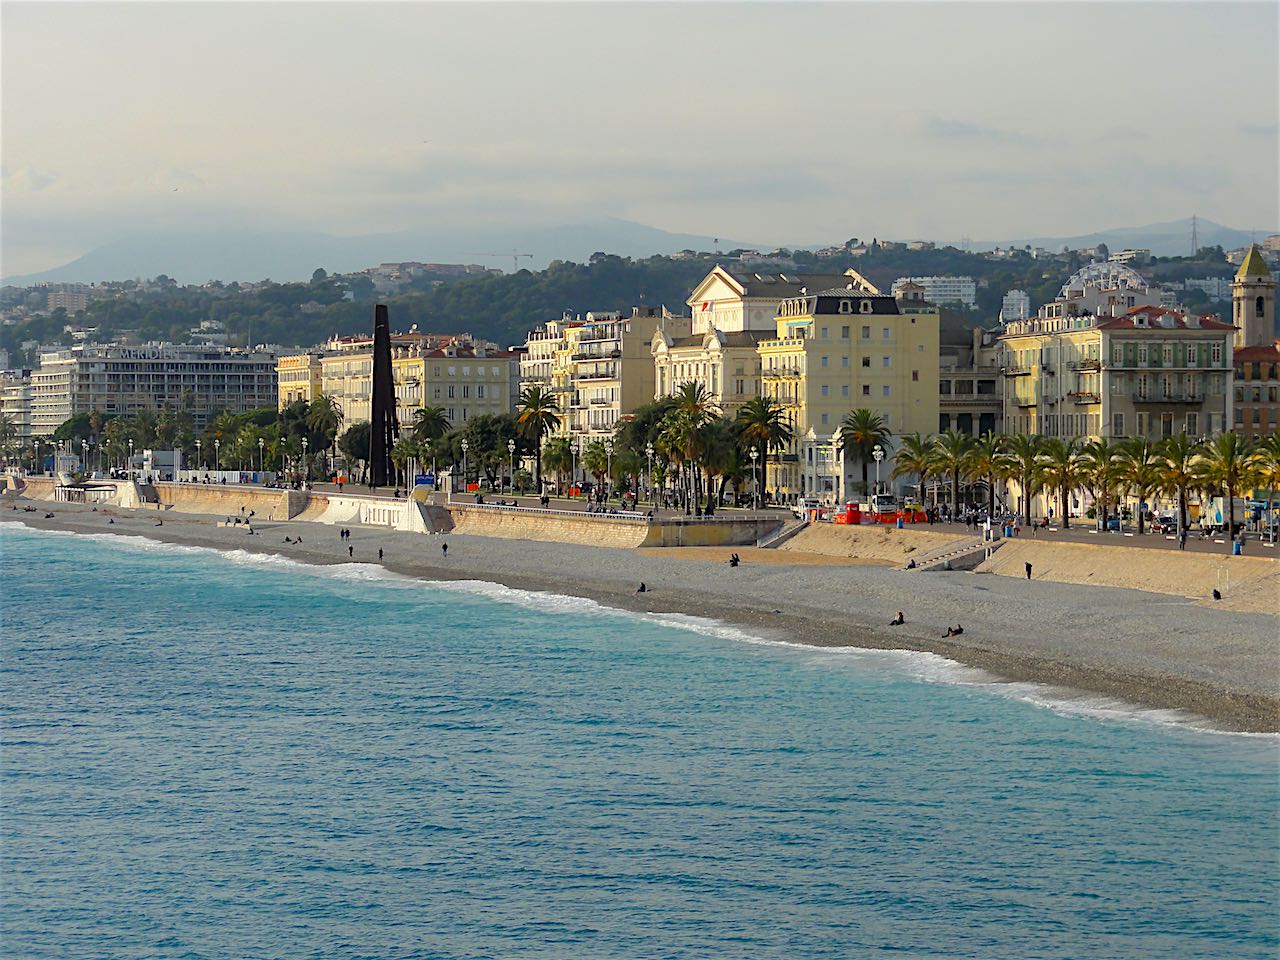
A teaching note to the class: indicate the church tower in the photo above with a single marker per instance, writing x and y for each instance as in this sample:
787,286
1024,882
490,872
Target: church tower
1253,302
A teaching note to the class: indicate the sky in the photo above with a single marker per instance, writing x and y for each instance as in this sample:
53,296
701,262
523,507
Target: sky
794,123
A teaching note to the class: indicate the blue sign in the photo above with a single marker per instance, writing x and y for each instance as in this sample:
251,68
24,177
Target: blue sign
425,479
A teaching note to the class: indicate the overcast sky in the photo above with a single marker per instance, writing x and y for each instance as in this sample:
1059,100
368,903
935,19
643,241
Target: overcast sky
787,122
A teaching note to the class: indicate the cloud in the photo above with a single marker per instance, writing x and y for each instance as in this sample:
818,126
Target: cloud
28,180
947,129
1266,131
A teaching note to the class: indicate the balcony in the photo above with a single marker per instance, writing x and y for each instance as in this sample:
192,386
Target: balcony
780,373
598,355
1084,396
1017,371
1086,363
1171,397
1025,401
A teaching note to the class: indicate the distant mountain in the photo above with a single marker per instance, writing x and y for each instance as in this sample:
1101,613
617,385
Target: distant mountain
1162,239
196,256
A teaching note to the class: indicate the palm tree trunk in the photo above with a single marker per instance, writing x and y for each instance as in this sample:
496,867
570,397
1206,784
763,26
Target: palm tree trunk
1141,501
1026,498
955,493
1182,510
991,495
1231,517
1066,522
866,490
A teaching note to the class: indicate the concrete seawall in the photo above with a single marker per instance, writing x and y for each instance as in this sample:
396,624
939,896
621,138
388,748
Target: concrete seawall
555,526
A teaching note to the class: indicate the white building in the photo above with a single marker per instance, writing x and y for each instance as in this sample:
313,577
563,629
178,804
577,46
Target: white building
202,381
1139,255
943,290
1218,288
1016,305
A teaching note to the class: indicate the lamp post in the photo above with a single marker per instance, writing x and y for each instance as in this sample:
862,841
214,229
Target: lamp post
837,466
131,458
262,455
755,476
465,446
217,455
306,470
608,466
282,470
199,459
84,455
878,452
648,453
511,449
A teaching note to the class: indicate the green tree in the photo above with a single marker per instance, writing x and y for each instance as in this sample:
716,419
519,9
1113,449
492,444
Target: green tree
354,444
557,456
861,431
1266,462
1020,461
951,459
538,415
1178,471
1100,473
1060,471
914,458
429,423
1138,467
983,463
1225,464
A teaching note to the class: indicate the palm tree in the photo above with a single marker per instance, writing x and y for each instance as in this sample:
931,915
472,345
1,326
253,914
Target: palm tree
8,436
557,456
983,463
1138,467
950,458
1099,472
721,456
539,415
404,450
430,423
914,457
595,460
1021,461
762,424
861,431
1225,463
1178,471
1060,470
1266,458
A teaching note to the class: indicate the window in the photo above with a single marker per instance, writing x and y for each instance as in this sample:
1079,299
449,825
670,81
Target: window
480,390
866,390
1168,355
451,391
846,306
824,419
884,361
824,390
435,393
825,361
844,333
1259,308
844,390
1217,353
866,333
1142,424
864,306
844,361
1116,355
915,376
1191,354
1142,354
885,335
825,334
466,391
1166,425
884,390
1193,425
866,361
1117,424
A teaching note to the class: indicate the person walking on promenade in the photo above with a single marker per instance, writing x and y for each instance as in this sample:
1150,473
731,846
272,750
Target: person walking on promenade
1182,539
1028,569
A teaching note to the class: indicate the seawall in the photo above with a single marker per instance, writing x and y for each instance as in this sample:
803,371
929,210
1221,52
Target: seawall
868,542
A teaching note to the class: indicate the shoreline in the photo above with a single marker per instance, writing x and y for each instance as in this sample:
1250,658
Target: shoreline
818,605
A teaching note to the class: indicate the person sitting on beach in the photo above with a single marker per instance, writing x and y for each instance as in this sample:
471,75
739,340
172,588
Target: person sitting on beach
159,523
112,520
642,588
911,564
48,516
298,539
898,621
288,540
958,630
1217,594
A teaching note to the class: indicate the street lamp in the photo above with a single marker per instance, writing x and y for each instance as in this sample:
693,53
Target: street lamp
199,459
131,458
306,470
217,454
282,470
608,466
84,456
466,445
262,453
755,475
653,494
878,452
511,449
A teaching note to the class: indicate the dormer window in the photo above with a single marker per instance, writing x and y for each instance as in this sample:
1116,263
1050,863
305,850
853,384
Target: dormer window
864,306
846,306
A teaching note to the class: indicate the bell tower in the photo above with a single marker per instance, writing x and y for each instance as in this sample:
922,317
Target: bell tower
1253,302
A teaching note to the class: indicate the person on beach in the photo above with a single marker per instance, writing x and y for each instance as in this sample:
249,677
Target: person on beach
911,564
642,588
898,621
287,540
351,551
444,550
1028,566
159,523
1217,594
379,554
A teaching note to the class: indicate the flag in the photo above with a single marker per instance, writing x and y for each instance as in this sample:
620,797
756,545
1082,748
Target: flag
706,305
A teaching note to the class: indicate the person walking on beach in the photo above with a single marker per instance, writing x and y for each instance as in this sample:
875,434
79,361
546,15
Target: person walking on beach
379,554
1028,565
444,550
351,551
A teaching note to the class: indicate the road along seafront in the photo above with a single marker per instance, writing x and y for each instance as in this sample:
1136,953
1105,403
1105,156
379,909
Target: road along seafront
1155,650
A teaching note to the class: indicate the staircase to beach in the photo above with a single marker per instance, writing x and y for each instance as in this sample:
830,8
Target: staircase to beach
960,555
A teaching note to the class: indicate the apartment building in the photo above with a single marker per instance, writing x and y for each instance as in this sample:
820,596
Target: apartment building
1142,371
1257,390
15,401
299,377
970,385
599,368
203,381
1016,305
943,289
836,350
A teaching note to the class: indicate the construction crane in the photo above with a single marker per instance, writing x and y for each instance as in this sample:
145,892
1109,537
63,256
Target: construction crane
515,257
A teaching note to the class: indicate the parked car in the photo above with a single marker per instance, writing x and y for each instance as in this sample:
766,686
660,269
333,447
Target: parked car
802,506
1165,524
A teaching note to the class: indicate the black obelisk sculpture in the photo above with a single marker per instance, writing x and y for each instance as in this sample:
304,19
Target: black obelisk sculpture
383,429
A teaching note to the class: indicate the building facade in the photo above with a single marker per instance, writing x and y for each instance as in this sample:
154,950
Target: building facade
1257,390
944,290
1253,301
299,378
1016,305
834,351
465,380
123,381
970,386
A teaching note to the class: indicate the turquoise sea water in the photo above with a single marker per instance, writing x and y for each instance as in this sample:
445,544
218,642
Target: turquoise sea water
229,757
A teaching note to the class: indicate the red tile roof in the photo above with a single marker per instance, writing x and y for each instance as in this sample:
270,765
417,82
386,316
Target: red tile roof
1267,353
1208,321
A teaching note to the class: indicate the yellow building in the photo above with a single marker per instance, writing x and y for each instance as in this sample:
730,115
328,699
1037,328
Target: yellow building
837,350
465,380
298,377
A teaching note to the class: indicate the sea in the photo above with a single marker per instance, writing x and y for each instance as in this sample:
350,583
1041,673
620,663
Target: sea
223,755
